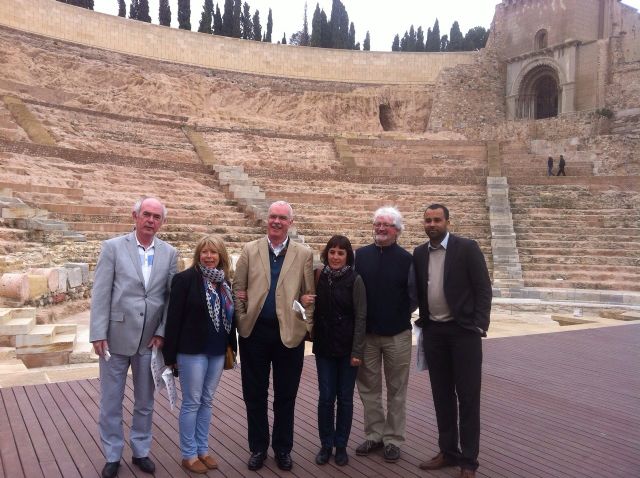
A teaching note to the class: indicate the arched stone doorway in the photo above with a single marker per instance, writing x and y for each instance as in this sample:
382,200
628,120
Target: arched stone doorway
539,95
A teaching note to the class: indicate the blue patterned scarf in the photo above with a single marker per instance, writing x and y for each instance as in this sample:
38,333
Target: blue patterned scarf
220,305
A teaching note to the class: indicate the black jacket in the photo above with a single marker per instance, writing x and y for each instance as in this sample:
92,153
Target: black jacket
388,276
467,286
187,327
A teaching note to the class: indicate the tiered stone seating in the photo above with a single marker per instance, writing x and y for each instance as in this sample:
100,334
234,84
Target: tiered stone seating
518,162
584,236
326,207
86,129
8,127
262,150
99,202
419,157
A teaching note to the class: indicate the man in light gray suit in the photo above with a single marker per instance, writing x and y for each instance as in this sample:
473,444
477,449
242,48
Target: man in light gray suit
130,291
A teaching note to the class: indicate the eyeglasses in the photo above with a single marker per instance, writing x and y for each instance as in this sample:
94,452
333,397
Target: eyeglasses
385,225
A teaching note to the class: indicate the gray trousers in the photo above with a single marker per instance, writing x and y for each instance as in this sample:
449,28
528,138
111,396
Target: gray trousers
113,379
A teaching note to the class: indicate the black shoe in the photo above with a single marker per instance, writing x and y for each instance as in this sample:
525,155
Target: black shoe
391,453
256,460
323,455
145,464
341,456
368,446
110,469
284,461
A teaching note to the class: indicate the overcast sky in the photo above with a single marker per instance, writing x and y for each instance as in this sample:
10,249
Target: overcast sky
383,19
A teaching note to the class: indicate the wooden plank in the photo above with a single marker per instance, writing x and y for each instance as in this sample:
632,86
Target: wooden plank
9,455
27,454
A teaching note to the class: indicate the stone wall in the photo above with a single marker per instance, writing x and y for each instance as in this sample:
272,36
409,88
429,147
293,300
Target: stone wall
469,99
60,21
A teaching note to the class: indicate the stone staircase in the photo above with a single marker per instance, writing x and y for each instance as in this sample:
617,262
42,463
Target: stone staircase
36,345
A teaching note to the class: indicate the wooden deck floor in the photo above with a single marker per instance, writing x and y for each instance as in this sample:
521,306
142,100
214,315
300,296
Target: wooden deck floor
554,405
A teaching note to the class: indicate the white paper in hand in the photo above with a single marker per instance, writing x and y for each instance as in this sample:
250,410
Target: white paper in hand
297,307
157,365
170,382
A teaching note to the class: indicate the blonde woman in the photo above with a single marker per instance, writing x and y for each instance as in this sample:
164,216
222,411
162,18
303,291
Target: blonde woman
199,328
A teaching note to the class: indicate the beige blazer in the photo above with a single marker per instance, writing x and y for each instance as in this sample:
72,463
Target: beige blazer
253,274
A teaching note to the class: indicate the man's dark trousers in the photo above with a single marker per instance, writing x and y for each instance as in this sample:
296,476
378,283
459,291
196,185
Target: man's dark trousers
454,359
257,352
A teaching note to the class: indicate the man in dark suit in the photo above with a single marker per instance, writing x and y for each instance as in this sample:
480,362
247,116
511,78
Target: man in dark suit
454,296
130,290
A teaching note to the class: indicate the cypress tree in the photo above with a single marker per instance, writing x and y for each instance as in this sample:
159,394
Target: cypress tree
246,24
236,32
164,13
395,46
143,11
217,21
404,41
428,45
133,10
411,40
419,39
316,28
227,18
257,28
206,17
436,36
352,37
304,36
267,36
455,38
184,14
122,8
325,31
366,45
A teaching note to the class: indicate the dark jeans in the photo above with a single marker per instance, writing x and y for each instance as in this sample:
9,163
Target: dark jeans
257,352
336,379
454,358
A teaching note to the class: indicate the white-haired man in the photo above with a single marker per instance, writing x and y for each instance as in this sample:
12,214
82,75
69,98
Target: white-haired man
271,273
387,271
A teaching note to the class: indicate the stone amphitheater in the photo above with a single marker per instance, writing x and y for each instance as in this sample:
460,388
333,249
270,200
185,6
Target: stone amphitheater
97,110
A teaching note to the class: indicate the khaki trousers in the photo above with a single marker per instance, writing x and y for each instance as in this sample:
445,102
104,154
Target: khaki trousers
394,353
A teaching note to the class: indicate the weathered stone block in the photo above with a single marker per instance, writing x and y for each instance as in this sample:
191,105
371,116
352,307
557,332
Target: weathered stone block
51,274
62,279
15,286
74,277
38,286
84,269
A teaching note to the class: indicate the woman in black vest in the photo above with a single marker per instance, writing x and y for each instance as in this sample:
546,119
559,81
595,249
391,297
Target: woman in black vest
338,340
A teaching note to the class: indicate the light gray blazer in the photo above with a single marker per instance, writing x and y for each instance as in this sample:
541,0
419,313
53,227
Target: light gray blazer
123,311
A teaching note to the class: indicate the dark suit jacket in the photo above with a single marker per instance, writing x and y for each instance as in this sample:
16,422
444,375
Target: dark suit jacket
467,286
187,327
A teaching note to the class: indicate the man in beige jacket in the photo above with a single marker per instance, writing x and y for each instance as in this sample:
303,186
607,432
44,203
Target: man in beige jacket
271,274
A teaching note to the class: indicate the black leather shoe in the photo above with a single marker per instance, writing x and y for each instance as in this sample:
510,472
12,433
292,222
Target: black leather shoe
323,455
145,464
341,456
284,461
110,469
256,460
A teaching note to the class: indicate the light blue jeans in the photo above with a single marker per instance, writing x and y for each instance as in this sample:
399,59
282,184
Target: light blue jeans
199,377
